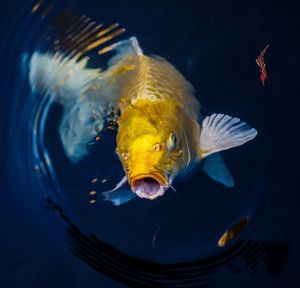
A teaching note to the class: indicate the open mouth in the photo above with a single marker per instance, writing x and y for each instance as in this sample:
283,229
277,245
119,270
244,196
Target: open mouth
149,186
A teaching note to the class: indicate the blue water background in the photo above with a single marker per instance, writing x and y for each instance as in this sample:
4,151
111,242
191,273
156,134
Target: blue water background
214,46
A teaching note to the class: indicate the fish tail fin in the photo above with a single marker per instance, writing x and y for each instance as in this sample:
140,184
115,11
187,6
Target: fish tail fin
74,39
77,35
88,95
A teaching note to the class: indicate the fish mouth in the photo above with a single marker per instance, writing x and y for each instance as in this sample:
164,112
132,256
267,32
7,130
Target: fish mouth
149,186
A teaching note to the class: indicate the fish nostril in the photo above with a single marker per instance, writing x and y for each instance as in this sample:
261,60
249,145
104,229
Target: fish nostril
125,155
157,147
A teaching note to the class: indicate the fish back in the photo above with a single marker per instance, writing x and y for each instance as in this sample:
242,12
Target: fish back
157,79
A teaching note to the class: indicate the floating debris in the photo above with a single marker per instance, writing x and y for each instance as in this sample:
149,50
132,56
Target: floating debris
154,237
97,138
111,125
233,232
95,180
37,168
260,61
103,180
92,201
36,6
93,193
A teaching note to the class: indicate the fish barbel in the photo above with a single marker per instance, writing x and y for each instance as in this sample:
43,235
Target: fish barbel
160,136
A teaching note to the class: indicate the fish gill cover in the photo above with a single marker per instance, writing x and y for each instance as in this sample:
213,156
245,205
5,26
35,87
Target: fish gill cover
56,228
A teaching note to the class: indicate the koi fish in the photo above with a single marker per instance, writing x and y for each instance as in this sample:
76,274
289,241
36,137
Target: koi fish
160,137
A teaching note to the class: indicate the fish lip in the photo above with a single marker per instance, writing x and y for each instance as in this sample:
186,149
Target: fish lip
156,176
160,179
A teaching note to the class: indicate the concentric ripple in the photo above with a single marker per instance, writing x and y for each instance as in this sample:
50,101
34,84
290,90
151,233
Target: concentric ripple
118,242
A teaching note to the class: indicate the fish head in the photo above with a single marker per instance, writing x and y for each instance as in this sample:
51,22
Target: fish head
151,158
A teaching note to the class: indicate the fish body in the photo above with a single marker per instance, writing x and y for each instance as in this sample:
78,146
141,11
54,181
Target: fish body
157,108
160,134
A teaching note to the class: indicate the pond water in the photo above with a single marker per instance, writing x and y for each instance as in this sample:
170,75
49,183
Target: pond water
56,229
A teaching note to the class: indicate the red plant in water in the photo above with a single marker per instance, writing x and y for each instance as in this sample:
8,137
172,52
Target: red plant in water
260,61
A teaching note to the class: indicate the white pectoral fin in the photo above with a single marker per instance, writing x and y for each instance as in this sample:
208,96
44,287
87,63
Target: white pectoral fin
215,168
119,195
221,132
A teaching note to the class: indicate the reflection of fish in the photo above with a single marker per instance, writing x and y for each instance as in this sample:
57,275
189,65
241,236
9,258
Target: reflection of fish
159,135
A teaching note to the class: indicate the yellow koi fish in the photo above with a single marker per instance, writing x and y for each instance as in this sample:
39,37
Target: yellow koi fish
159,134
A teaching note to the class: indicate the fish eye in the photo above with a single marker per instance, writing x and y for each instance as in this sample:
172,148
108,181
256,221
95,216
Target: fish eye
174,138
172,141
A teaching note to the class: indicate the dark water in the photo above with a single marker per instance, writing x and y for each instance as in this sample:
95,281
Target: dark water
52,236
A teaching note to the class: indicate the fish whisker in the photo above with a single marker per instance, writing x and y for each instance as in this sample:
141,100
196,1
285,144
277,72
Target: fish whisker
173,188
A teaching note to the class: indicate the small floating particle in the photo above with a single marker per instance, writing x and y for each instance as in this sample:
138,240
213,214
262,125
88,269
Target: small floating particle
97,138
93,192
95,180
154,237
103,180
36,7
111,125
233,232
37,168
92,201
